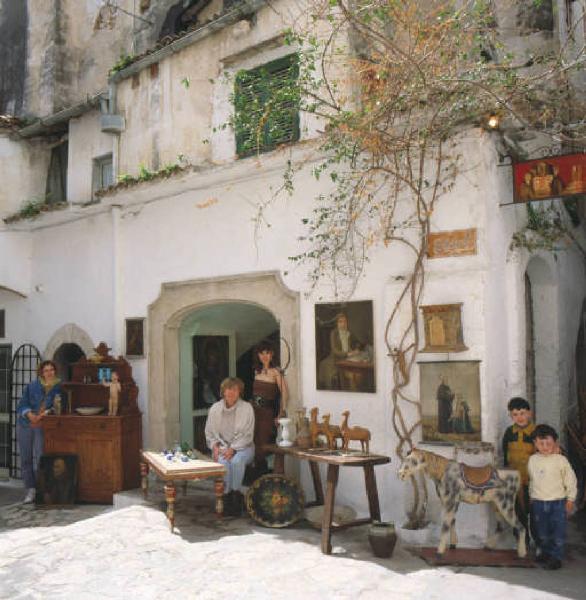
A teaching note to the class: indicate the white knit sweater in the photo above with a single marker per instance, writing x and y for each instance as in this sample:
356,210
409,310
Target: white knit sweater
230,427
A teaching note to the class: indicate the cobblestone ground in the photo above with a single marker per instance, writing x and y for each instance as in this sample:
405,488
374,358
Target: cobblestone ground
95,552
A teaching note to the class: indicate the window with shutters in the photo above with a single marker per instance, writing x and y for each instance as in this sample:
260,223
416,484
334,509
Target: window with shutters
266,106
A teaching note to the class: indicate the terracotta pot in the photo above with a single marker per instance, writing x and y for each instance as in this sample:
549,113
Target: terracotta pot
382,538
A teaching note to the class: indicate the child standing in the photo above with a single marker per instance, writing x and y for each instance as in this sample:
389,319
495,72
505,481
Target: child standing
517,449
552,489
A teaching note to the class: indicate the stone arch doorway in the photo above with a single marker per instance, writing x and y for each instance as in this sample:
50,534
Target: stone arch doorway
176,302
69,334
543,350
218,341
64,357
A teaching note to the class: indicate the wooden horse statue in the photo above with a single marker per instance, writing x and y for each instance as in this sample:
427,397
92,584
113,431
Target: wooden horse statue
456,482
315,428
354,433
332,432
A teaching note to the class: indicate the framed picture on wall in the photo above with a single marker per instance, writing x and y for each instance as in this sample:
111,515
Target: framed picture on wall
450,401
344,347
135,337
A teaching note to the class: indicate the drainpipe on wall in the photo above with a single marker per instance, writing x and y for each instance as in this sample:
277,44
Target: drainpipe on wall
118,330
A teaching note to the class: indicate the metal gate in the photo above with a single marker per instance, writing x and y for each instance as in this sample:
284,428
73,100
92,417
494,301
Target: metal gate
22,371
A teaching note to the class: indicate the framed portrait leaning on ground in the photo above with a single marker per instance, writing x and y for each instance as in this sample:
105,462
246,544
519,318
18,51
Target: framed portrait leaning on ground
344,347
135,337
57,480
450,401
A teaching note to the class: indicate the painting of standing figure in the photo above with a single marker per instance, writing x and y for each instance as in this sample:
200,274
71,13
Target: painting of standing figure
450,401
344,346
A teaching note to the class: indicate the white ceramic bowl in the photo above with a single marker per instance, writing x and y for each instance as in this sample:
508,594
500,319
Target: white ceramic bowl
87,411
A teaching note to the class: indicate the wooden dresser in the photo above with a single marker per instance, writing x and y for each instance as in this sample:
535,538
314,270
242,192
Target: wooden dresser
108,447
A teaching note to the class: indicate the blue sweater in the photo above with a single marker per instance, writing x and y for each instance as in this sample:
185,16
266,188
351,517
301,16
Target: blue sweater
31,400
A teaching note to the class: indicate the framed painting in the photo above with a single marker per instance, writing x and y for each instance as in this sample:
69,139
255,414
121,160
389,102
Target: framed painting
211,365
450,401
344,348
57,480
443,328
135,337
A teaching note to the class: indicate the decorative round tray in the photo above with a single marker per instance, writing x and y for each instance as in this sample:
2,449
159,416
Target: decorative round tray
89,410
275,501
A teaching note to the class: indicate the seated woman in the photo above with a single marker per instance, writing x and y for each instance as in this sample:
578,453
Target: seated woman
229,434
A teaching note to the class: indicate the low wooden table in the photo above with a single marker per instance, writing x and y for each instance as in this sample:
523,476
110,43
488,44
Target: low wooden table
334,462
171,471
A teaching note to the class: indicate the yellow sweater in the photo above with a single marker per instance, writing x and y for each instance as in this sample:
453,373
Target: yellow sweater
551,477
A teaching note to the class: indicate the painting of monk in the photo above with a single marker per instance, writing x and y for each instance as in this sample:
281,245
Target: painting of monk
450,401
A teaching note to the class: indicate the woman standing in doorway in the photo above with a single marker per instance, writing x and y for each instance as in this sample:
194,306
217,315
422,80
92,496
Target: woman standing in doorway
37,400
270,395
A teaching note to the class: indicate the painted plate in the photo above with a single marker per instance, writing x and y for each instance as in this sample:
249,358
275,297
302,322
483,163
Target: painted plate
275,501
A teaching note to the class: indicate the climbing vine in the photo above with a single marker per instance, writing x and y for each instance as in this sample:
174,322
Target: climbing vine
396,84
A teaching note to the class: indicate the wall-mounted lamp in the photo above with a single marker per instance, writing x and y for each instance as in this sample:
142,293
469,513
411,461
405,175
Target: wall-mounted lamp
493,121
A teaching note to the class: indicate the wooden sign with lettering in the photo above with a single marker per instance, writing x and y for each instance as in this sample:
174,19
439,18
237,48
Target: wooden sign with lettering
443,328
459,242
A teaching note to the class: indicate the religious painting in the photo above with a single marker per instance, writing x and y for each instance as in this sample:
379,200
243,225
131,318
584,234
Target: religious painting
458,242
443,328
211,365
450,401
550,177
344,347
134,337
57,480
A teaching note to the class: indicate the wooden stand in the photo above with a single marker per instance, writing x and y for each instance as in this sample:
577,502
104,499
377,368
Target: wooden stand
108,447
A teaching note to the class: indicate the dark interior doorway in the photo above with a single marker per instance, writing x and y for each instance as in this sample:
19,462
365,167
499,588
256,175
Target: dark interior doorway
64,357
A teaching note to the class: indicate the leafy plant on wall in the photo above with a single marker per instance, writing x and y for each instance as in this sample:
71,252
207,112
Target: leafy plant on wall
395,83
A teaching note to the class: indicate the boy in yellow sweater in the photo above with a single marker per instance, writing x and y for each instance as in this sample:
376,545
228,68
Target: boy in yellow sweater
552,492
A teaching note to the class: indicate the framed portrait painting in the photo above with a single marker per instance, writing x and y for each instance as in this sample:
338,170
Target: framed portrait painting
135,337
450,401
344,348
57,480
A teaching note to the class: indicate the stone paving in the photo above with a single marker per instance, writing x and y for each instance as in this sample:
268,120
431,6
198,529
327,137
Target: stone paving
95,552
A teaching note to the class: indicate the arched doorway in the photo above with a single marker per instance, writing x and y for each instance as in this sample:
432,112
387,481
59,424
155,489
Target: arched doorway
217,341
64,357
166,315
543,341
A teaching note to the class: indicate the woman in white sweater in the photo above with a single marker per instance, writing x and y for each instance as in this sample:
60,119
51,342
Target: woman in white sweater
230,436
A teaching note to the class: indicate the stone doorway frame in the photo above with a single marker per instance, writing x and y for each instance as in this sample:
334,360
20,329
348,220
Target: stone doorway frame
175,302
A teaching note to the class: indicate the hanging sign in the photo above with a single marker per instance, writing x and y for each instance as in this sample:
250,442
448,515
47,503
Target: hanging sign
549,177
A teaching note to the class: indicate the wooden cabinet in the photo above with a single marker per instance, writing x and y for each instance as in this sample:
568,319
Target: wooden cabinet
108,447
108,450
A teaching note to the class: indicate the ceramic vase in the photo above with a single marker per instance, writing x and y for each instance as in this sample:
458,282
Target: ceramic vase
382,538
285,440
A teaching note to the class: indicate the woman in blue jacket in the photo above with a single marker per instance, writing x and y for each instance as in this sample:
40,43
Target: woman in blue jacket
37,400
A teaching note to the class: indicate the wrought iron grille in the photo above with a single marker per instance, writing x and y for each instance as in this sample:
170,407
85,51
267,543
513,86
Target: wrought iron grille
22,371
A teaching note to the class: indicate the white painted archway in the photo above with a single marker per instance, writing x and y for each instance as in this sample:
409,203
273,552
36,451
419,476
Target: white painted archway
69,334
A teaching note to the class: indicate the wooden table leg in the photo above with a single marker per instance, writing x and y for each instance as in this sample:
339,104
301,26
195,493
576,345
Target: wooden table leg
144,474
372,492
326,527
170,495
279,463
219,489
317,486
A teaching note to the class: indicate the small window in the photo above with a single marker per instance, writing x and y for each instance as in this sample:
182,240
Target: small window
266,106
103,173
56,189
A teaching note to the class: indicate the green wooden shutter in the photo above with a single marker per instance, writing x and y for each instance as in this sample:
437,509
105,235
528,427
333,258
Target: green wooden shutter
266,103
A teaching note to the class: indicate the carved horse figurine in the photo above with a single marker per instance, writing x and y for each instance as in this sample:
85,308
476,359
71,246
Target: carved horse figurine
456,482
360,434
315,428
332,432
